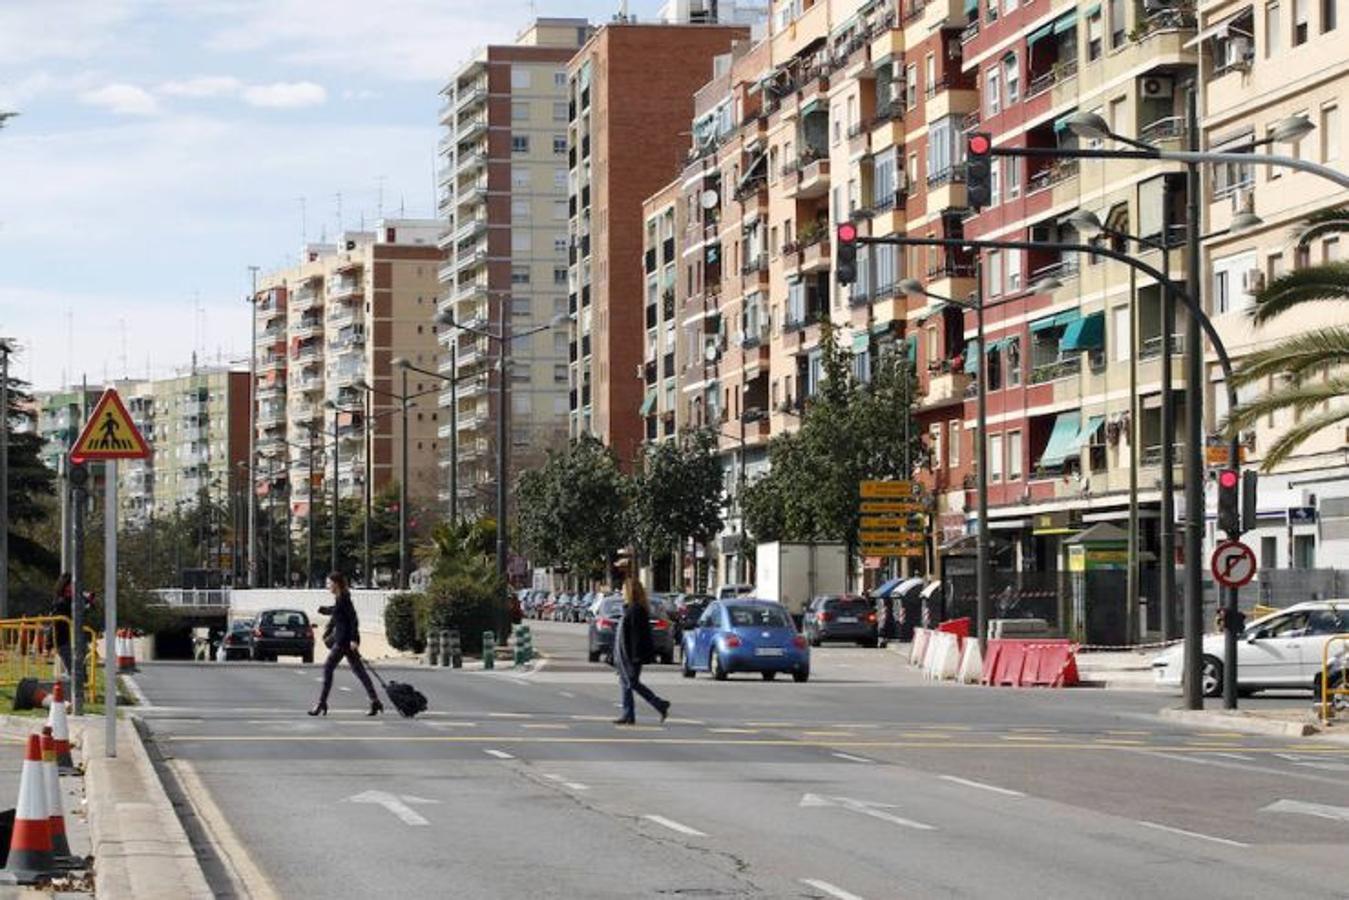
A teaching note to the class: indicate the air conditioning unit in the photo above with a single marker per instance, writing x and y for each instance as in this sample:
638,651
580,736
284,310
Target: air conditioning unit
1156,87
1240,51
1255,280
901,181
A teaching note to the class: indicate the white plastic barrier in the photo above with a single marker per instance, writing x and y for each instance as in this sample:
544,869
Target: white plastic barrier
919,648
971,669
943,656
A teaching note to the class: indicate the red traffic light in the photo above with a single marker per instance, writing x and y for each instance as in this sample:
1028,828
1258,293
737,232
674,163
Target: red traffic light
1227,479
978,144
847,232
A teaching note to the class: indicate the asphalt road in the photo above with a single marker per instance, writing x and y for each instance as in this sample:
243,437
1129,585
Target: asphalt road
865,782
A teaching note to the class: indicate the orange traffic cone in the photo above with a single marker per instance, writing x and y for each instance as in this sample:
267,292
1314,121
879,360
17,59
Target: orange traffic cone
56,815
126,651
56,718
30,847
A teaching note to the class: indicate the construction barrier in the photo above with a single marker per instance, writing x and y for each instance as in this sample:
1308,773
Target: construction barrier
920,638
60,726
971,664
1043,662
29,649
126,650
1334,689
959,627
943,656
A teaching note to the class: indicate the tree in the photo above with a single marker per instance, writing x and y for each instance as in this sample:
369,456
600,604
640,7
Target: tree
32,495
1300,358
679,494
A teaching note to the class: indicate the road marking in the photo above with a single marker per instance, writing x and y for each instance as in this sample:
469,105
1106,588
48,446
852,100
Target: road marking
828,734
675,826
685,722
1035,730
141,700
551,777
1023,737
551,726
850,758
1267,770
1120,742
344,688
1193,834
1123,732
568,694
733,731
1326,766
501,715
834,891
981,786
575,786
772,724
873,808
1320,810
248,879
499,754
1241,757
398,805
926,736
589,718
450,724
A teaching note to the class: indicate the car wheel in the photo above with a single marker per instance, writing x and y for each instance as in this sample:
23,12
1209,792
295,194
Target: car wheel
687,670
1211,676
718,670
814,640
769,676
308,657
667,659
257,656
593,656
802,676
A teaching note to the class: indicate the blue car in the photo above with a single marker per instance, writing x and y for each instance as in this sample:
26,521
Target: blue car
746,635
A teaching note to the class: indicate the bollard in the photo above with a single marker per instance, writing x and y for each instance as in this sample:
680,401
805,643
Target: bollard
525,641
432,647
456,654
519,654
445,647
489,650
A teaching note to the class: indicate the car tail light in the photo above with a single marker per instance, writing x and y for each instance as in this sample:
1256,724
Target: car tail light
732,641
871,617
604,624
826,616
799,642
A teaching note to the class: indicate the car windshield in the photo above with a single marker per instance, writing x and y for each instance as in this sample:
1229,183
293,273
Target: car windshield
611,607
847,605
284,618
241,625
758,617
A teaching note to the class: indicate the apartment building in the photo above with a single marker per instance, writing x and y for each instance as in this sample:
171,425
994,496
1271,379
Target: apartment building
630,95
337,319
503,197
60,416
1261,63
197,426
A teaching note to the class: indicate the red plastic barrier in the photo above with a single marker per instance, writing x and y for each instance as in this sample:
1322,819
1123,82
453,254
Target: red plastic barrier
1041,662
959,627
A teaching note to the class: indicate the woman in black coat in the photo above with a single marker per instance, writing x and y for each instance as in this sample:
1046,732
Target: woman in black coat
343,638
633,647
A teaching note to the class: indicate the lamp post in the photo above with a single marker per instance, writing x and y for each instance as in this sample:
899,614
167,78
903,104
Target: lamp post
253,435
402,397
1286,130
331,405
453,381
503,340
914,288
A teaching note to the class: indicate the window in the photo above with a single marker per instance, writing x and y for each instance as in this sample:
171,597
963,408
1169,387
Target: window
560,78
1013,351
559,144
519,143
1012,75
1300,22
993,280
913,168
519,274
1117,24
1269,553
953,444
521,306
930,73
942,149
1330,250
1013,456
559,275
934,444
560,112
519,177
995,458
1330,133
560,210
1119,332
1304,551
1273,27
1013,271
519,77
560,246
1222,291
519,209
991,92
910,87
1011,176
560,179
933,348
992,11
994,185
1095,29
1328,20
520,110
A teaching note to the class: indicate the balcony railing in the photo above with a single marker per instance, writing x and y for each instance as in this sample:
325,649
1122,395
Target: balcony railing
1057,74
1055,173
1152,347
1063,368
1165,129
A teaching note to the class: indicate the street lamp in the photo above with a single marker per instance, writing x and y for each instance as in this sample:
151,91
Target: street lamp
914,288
332,405
446,319
402,398
503,340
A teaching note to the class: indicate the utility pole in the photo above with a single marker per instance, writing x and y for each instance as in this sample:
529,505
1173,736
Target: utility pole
369,485
981,463
1131,574
1166,539
309,515
454,432
333,523
402,495
1194,428
253,435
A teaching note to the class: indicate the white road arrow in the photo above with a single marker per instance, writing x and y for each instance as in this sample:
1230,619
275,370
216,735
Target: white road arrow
872,808
1320,810
394,804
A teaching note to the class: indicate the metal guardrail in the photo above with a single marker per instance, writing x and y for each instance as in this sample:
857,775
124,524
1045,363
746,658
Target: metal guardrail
1328,693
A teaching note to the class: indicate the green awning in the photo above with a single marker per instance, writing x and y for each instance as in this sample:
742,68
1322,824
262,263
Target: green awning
1061,439
1084,435
971,7
1084,334
811,105
1066,23
1043,324
1039,34
999,345
972,358
1091,10
649,403
931,311
911,344
1061,123
860,342
1068,317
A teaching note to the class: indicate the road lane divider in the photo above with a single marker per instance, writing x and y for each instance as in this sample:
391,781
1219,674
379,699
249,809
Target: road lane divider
498,754
979,785
850,758
873,808
674,826
832,890
1157,826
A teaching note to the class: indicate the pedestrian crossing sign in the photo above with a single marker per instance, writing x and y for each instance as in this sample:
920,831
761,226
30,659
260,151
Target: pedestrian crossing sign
109,433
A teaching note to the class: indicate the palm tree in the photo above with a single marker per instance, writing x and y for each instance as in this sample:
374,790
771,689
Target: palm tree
1297,358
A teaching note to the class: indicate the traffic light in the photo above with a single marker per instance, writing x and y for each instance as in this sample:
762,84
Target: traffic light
1248,498
1229,507
978,165
845,253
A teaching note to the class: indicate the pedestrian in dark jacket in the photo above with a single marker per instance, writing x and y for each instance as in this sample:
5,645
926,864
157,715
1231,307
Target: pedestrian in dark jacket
634,647
343,637
61,606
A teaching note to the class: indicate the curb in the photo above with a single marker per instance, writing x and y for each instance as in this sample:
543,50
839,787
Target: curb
139,845
1239,721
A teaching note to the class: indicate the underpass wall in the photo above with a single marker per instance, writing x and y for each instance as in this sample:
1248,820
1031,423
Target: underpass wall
369,609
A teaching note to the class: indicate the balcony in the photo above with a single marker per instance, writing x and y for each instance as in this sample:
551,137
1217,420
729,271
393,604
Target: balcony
348,339
343,316
471,260
1152,347
946,386
308,326
470,194
470,227
271,361
471,129
1055,173
470,160
1068,367
308,353
472,97
346,289
1056,74
807,176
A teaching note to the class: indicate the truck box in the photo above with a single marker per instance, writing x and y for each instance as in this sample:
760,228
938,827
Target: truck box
793,573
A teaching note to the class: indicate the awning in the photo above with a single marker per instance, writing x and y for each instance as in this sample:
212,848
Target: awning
931,311
1084,334
1061,123
1044,324
1039,34
971,8
1217,29
1091,10
1084,435
649,403
1066,23
1061,439
911,344
860,342
931,589
972,358
811,106
749,170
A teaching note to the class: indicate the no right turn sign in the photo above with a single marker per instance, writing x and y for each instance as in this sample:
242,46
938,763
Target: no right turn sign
1233,564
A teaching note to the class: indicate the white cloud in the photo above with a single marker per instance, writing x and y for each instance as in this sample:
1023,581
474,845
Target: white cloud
285,95
77,31
360,94
124,99
203,86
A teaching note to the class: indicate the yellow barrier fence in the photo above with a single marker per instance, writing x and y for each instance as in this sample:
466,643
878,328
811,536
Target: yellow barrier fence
28,649
1330,692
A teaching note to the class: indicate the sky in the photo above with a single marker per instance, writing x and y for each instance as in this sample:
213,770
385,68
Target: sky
164,146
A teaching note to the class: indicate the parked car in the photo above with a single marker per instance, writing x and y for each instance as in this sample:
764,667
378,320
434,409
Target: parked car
841,617
603,626
282,632
1281,650
237,642
662,627
687,609
729,591
746,635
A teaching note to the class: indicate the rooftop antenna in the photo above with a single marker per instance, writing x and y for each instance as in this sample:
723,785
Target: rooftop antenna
379,196
70,348
339,214
402,206
304,221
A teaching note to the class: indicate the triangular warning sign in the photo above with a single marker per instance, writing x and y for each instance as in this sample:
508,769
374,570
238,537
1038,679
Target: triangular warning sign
109,433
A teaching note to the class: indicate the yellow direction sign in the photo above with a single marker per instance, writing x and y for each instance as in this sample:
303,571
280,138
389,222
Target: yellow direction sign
109,433
892,550
890,537
890,506
875,489
883,523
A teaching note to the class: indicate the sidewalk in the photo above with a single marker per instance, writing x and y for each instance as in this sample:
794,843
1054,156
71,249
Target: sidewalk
1127,670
